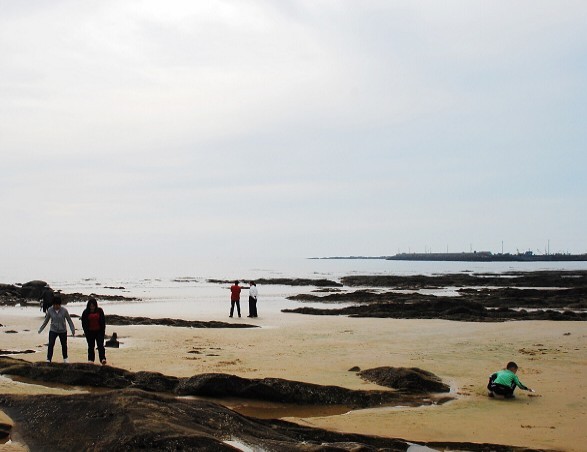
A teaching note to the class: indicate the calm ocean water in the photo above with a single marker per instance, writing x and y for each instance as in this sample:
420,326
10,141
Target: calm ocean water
190,296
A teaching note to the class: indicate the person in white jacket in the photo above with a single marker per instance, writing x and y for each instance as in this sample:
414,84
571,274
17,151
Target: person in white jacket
253,299
58,316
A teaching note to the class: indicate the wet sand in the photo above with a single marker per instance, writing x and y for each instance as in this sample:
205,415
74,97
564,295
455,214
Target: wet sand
552,357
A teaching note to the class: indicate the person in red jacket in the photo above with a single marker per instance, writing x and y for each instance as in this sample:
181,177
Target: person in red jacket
235,298
94,326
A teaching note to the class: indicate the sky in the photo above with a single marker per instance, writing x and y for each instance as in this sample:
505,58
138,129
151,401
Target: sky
149,137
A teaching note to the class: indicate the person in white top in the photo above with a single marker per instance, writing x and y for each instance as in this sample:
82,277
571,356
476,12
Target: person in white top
253,299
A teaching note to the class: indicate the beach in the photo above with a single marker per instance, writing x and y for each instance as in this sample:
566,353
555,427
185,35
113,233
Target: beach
552,357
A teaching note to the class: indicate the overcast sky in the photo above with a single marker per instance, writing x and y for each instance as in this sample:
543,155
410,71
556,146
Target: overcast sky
145,137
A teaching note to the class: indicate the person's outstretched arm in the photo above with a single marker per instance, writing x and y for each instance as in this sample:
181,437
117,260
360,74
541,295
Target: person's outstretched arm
521,385
44,322
71,325
102,321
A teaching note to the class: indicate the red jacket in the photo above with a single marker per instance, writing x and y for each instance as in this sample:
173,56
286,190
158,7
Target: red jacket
235,293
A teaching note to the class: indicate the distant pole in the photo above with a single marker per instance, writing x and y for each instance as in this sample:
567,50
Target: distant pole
502,247
548,246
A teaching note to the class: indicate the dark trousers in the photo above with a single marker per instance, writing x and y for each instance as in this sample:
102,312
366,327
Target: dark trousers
52,338
252,307
95,339
238,307
505,391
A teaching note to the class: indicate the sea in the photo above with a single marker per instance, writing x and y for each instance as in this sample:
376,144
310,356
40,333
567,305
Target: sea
193,296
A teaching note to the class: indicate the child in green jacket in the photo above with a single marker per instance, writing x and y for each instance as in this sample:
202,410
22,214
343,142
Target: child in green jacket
503,382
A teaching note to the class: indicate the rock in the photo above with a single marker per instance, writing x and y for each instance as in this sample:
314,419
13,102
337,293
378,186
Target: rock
16,352
155,382
448,308
33,289
4,430
136,420
284,282
355,369
210,385
412,379
112,319
112,342
550,278
286,391
132,419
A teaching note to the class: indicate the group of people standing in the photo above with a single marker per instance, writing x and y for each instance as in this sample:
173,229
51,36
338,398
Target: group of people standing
235,294
502,382
93,324
94,321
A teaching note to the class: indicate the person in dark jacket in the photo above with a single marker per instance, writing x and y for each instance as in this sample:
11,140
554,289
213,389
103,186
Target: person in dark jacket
94,326
47,297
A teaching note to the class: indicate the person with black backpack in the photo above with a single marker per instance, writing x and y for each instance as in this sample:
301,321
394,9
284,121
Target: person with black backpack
47,297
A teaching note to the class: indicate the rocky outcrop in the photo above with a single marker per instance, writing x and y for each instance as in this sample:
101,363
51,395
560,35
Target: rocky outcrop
575,278
284,282
112,319
32,291
295,392
130,418
16,352
574,298
363,296
405,379
113,342
212,385
443,308
136,420
12,295
472,304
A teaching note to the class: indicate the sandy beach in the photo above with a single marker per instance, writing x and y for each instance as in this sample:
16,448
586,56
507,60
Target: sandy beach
552,357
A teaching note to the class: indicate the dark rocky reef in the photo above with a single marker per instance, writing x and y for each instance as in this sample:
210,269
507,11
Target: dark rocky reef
284,282
141,411
213,385
14,294
442,308
31,292
112,319
552,295
294,392
577,278
16,352
574,298
136,420
405,379
362,296
504,297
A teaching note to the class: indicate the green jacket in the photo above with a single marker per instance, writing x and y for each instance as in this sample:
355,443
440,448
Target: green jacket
508,378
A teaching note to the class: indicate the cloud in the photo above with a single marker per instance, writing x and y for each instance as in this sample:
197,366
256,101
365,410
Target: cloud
305,127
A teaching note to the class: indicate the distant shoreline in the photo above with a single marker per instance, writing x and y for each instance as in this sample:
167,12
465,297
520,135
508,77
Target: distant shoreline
481,256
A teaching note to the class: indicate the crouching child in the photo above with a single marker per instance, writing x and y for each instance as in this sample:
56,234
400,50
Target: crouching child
504,382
